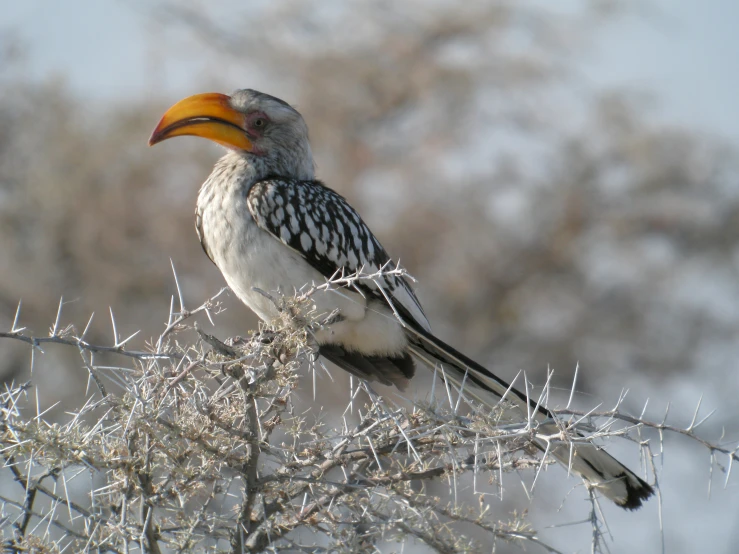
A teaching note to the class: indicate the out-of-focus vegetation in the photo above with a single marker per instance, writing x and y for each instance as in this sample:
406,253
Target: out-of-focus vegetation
549,224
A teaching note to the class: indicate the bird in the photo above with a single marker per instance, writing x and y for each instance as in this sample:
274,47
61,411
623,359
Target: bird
269,225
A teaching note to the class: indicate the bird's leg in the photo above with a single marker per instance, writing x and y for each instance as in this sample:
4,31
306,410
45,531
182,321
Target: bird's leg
216,344
264,336
333,317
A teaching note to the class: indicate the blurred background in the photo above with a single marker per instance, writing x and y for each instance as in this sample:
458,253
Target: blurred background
561,178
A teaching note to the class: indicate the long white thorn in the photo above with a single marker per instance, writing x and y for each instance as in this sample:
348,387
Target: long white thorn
574,384
177,284
115,331
124,341
15,328
313,374
461,392
541,465
58,317
728,471
351,394
644,409
171,311
510,387
544,392
695,414
87,327
702,421
448,390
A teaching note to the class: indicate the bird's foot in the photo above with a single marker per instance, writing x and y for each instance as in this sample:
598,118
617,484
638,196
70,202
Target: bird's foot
263,337
218,346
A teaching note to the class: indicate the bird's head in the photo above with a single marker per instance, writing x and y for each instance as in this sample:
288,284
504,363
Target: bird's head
265,130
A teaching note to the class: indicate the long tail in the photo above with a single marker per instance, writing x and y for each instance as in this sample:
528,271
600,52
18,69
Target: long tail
601,470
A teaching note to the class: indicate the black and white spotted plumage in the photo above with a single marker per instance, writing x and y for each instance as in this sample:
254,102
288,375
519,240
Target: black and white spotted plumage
316,221
268,224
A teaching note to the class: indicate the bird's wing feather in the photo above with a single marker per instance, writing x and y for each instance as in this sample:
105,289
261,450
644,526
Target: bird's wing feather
329,234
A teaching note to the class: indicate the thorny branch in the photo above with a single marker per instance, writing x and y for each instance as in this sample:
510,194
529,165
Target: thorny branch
68,337
205,447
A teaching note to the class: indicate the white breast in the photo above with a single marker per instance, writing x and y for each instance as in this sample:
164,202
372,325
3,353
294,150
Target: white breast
250,258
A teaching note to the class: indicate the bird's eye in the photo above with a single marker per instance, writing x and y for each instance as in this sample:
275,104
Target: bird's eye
259,122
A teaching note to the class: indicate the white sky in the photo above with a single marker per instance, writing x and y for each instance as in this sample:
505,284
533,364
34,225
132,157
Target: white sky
684,51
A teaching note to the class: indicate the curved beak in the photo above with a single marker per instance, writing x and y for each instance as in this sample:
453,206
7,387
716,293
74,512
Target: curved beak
208,115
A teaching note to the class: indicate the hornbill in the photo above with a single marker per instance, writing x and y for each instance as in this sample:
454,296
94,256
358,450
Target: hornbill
268,224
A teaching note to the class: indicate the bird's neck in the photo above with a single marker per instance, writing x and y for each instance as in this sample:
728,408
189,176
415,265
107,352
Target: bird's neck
235,168
235,173
251,169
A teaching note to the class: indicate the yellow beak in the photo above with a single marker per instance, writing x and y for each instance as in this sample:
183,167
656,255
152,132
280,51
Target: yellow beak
208,115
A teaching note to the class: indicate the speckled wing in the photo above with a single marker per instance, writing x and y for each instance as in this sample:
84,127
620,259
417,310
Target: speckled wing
319,224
